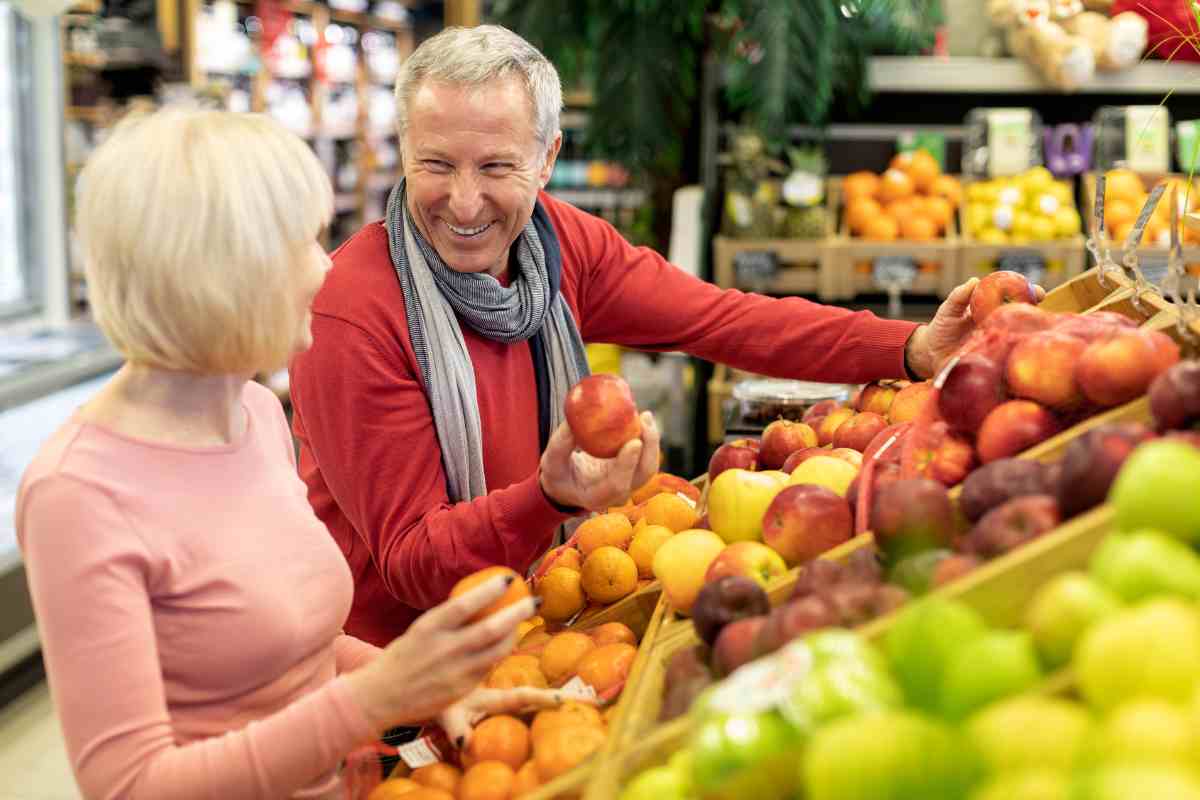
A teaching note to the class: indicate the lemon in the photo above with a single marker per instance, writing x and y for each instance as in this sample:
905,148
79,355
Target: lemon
1002,218
1038,179
1042,229
992,236
978,217
1067,222
1022,224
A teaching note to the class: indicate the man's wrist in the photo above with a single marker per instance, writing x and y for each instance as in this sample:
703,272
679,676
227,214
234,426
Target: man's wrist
557,506
916,355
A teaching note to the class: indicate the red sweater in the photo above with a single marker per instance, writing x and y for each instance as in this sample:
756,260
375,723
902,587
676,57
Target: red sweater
368,445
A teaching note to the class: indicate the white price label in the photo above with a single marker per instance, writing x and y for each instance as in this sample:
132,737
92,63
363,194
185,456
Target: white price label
578,686
419,753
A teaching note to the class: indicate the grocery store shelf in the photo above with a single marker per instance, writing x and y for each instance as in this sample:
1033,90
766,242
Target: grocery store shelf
601,198
958,74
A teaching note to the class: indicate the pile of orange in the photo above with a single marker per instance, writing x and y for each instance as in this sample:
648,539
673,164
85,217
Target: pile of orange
911,200
1124,195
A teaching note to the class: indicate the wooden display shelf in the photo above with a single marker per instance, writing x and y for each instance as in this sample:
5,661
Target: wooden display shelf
970,75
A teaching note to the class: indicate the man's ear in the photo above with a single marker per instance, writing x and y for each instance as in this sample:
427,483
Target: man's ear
551,158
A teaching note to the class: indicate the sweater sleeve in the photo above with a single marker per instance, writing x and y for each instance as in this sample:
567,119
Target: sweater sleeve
364,420
91,577
351,653
634,297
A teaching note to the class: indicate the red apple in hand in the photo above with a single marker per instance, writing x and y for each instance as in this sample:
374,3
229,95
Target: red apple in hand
1012,427
908,402
782,438
974,386
602,414
1019,318
804,521
1117,370
858,431
833,420
732,456
997,289
1042,368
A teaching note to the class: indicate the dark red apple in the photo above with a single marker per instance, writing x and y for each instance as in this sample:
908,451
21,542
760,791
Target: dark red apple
912,515
726,600
791,621
1091,462
972,388
732,456
1117,370
737,644
782,438
602,414
1042,368
1013,427
1175,396
687,675
996,483
997,289
804,521
857,432
1018,521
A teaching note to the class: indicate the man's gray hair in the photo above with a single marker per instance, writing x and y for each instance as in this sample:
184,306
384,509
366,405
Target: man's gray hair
474,57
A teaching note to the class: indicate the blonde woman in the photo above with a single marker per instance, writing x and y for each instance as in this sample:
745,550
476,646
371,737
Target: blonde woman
190,602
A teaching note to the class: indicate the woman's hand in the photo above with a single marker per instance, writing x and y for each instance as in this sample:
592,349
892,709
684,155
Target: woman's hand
572,478
460,718
439,659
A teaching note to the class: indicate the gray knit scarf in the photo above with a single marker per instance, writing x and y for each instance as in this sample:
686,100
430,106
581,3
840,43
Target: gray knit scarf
531,308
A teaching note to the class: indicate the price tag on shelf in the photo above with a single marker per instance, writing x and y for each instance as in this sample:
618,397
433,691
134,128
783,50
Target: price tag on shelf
899,271
755,268
419,753
1029,263
1148,139
577,686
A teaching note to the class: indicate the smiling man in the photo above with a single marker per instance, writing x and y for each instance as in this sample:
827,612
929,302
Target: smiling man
429,409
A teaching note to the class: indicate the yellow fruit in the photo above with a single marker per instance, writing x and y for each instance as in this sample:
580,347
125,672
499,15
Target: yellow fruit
645,544
1037,179
682,561
561,591
992,235
609,574
1042,229
832,473
978,216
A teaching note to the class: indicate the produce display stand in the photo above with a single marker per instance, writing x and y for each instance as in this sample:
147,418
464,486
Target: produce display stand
1063,259
999,590
1084,292
1148,254
937,261
800,266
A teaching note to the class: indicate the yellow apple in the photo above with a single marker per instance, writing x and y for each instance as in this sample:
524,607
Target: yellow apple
832,473
778,475
681,563
737,500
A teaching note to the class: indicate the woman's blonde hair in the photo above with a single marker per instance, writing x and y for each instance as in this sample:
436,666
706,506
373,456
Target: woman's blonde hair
193,225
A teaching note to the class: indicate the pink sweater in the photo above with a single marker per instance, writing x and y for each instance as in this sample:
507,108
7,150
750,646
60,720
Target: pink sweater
191,606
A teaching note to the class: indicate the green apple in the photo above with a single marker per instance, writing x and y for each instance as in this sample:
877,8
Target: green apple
837,690
1030,784
1150,651
1062,610
737,500
1158,487
1140,782
1144,564
838,645
1146,732
890,755
990,667
922,639
915,573
1029,732
657,783
745,755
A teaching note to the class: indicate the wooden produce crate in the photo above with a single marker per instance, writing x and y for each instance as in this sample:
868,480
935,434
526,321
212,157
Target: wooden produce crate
1063,259
938,261
999,590
1084,292
803,265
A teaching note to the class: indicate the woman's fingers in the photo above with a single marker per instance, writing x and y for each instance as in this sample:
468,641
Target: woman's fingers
455,612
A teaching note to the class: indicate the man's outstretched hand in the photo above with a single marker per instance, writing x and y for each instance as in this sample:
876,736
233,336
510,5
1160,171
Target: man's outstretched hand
574,479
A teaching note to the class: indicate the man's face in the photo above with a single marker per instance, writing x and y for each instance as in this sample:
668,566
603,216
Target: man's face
474,166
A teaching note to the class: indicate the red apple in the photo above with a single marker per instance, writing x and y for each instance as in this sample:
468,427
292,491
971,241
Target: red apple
804,521
945,457
1091,462
800,456
1018,318
1091,327
1042,368
858,431
782,438
853,457
724,601
997,289
818,412
753,560
908,402
602,414
1187,437
895,450
974,386
1117,370
876,398
1011,525
912,515
791,621
833,420
737,644
753,444
952,568
1013,427
1175,396
732,456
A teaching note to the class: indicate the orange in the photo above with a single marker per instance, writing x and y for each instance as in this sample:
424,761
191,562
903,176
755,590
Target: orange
516,592
563,556
919,165
438,776
607,666
531,624
613,633
894,185
940,211
517,670
500,738
645,544
612,530
563,749
428,793
487,780
562,653
859,184
671,511
1120,211
609,574
903,208
527,779
881,229
561,590
860,210
393,788
947,186
535,638
918,229
1122,184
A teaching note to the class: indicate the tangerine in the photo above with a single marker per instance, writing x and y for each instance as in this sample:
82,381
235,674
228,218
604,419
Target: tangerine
611,530
1122,184
561,591
393,788
488,780
438,776
609,574
563,556
859,184
895,184
526,780
919,165
562,749
947,186
607,666
645,544
516,592
562,653
918,229
1119,212
534,639
517,670
860,210
500,738
531,624
613,633
881,229
940,211
671,511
